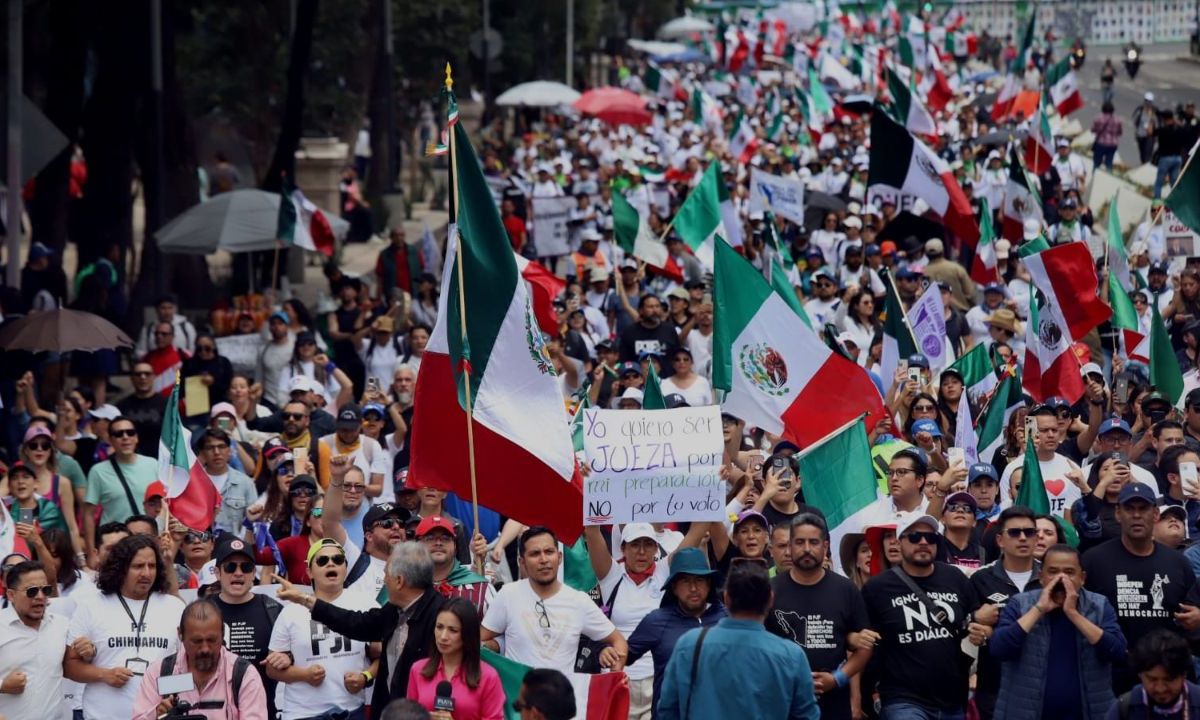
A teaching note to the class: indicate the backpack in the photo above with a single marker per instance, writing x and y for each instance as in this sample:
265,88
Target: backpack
356,571
240,666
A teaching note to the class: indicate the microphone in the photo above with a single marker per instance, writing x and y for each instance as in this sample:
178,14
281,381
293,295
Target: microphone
444,700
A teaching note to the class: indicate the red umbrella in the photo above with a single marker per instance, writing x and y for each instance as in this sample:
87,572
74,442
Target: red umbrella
614,106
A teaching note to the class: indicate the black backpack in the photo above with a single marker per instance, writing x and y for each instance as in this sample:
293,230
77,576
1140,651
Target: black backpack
357,569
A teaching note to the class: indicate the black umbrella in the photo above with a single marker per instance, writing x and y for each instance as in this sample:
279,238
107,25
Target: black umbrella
824,201
906,225
858,103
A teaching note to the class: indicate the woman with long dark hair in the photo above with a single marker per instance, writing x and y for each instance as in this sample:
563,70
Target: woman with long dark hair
454,658
69,575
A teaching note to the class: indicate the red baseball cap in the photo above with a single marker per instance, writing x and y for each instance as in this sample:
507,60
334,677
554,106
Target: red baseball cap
156,489
434,522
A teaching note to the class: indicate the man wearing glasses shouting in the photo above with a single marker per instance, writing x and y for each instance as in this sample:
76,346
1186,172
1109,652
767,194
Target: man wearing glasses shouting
31,646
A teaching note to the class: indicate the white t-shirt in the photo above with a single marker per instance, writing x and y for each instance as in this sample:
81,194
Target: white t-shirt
1020,579
104,620
38,654
516,613
1061,492
632,603
697,394
311,643
371,581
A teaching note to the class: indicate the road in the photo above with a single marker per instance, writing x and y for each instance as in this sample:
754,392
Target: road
1171,78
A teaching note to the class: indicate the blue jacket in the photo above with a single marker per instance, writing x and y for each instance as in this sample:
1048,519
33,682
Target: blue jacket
1027,664
1137,703
659,631
760,676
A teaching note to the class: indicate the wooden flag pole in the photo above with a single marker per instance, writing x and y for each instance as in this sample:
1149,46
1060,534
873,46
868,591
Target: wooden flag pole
462,317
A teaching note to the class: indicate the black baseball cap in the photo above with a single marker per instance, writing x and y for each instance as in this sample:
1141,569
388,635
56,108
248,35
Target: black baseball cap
383,510
349,417
230,545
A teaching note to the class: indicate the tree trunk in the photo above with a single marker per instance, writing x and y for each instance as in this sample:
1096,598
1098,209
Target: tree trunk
291,125
380,177
51,209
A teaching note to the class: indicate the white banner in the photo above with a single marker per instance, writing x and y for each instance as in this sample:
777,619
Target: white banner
551,234
653,465
242,351
928,320
1181,241
775,194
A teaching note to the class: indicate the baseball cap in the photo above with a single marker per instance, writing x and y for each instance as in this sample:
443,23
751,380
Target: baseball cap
629,264
1070,204
233,546
915,518
1155,396
279,315
679,294
636,531
952,371
37,431
995,288
350,416
37,251
223,408
299,383
105,412
1063,142
926,425
155,489
383,323
1091,369
1114,423
434,522
374,408
273,446
605,345
1031,229
918,360
381,511
871,250
1002,249
934,246
982,470
1193,397
629,366
1136,491
633,394
906,273
1169,508
748,515
319,546
20,466
305,336
208,574
1056,402
1159,267
960,497
887,247
649,354
675,400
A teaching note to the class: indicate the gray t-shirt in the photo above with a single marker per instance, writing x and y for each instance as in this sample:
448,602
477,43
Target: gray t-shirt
271,362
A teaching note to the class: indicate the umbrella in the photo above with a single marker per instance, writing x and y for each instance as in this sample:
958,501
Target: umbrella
999,137
906,225
62,330
237,221
691,55
684,27
858,103
614,106
824,201
982,76
539,93
655,47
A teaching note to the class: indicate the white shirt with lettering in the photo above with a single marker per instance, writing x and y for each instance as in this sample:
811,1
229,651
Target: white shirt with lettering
119,643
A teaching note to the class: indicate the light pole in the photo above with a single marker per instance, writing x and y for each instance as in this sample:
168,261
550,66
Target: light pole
571,43
12,227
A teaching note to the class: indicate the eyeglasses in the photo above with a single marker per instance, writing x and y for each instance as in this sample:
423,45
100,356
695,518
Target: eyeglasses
1018,532
899,472
316,512
387,524
959,507
1062,414
539,607
323,560
32,591
436,538
917,537
353,488
197,536
232,566
302,492
39,445
294,416
924,408
131,432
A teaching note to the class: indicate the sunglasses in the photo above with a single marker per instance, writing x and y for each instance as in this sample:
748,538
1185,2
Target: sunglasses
32,591
302,492
131,432
916,537
323,560
294,416
353,488
959,507
193,536
387,524
924,408
39,445
1018,532
232,566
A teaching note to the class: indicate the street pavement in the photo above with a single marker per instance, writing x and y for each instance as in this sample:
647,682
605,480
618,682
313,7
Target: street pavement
1167,72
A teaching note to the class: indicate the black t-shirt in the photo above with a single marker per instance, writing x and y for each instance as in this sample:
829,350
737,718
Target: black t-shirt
818,618
638,338
147,415
920,660
247,627
777,517
972,556
1145,592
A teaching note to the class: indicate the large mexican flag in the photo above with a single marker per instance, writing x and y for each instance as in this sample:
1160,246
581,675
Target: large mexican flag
518,417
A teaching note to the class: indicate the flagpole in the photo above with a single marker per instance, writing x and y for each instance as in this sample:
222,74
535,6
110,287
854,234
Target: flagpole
1158,215
462,317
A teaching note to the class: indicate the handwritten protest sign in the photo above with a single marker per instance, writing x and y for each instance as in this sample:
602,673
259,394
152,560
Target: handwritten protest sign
653,465
242,351
550,230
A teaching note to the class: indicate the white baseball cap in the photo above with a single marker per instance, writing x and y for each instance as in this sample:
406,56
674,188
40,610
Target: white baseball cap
915,518
636,531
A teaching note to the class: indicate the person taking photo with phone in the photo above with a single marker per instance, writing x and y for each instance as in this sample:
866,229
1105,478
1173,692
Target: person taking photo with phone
214,682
